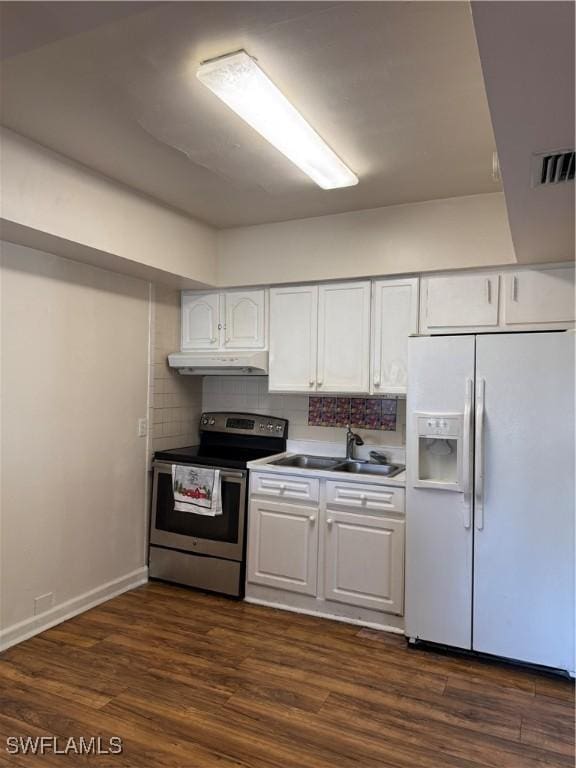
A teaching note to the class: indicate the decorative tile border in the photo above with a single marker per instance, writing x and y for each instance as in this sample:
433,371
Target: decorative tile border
365,412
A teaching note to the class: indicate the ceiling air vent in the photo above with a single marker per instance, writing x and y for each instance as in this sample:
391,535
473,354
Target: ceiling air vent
553,167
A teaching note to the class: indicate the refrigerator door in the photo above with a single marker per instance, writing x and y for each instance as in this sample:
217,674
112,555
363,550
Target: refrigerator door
438,520
524,488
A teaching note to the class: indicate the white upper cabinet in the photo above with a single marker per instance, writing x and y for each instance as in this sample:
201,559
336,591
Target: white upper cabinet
543,297
453,303
231,320
244,320
365,561
293,338
200,320
394,319
344,337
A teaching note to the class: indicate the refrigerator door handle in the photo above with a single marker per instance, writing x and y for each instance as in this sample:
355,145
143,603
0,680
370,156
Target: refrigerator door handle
467,455
479,458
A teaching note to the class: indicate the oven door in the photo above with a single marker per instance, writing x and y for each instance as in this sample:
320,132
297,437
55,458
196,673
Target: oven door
221,536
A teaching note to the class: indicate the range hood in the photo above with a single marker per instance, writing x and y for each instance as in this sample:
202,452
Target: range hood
220,363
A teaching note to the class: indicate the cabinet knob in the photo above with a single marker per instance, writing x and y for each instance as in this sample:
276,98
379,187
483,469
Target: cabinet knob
213,340
311,382
362,497
320,382
311,518
329,521
282,487
376,382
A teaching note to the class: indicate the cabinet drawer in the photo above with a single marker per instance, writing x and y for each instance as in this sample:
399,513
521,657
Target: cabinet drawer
286,487
377,498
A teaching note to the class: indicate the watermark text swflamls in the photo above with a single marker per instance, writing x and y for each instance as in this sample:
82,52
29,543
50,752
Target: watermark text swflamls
56,745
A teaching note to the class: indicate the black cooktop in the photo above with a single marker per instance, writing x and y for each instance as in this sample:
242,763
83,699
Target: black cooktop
214,456
230,439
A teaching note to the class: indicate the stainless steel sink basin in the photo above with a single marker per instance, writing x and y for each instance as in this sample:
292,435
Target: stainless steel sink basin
367,468
302,461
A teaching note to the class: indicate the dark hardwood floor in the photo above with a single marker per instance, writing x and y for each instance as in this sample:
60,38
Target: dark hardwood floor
187,679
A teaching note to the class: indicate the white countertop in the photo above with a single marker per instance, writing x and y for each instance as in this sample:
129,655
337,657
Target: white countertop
265,465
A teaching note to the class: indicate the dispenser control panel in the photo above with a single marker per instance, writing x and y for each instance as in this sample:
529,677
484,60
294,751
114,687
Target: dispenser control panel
433,425
437,454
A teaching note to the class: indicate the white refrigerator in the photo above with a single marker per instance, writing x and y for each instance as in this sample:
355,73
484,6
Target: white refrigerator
490,499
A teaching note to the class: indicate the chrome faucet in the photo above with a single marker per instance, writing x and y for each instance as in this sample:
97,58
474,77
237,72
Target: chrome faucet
352,439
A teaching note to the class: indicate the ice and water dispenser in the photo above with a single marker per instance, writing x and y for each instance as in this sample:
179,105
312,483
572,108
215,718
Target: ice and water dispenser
438,462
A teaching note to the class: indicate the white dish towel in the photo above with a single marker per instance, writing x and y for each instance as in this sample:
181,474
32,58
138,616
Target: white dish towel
197,490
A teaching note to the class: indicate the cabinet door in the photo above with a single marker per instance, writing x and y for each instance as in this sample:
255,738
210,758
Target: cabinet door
344,337
543,297
283,546
365,561
244,320
293,338
200,320
395,317
459,302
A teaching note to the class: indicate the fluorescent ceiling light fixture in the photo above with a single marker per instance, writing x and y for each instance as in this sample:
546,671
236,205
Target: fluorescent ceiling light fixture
240,83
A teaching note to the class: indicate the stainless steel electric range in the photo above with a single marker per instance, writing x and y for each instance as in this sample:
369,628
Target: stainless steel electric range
201,551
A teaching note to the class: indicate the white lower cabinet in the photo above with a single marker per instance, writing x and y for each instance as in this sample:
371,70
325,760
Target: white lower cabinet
364,563
340,547
283,546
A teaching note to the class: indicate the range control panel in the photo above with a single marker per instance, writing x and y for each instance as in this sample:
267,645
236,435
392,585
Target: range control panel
243,424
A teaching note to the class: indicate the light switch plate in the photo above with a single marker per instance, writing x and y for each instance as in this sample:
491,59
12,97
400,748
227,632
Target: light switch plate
142,427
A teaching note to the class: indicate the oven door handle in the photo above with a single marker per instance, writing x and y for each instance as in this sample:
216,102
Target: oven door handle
225,474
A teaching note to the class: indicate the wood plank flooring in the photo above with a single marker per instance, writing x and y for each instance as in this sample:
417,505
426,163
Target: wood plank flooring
194,680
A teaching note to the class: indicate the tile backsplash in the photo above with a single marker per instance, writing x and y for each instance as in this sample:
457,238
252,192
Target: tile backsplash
175,400
372,413
250,394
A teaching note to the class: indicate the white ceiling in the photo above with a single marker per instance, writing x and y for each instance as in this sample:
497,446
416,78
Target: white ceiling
394,87
527,52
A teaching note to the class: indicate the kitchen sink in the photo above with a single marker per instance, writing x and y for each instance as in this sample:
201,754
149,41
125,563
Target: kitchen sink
303,461
367,468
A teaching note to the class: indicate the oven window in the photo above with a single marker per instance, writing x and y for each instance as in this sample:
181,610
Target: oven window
223,527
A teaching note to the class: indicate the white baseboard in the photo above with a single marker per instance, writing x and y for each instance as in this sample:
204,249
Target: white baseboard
36,624
322,615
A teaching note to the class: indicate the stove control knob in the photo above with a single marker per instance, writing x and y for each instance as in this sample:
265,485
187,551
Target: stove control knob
212,422
269,427
204,420
261,426
278,427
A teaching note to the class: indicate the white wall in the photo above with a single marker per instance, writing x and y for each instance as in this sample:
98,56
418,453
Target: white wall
74,381
110,225
439,234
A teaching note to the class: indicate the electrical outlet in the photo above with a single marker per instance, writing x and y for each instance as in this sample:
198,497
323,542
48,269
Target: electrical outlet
142,427
43,603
